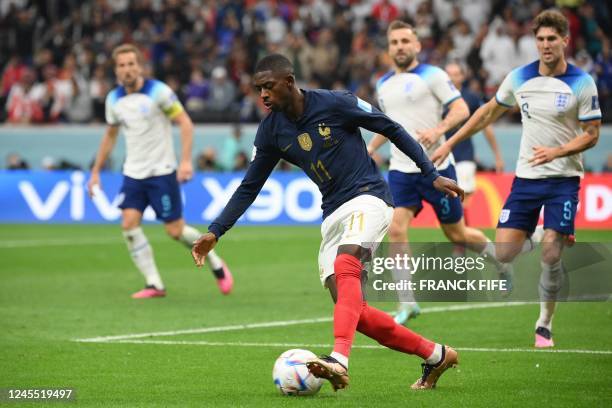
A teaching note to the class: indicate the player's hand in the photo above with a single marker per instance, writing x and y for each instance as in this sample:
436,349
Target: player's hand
543,154
201,247
428,137
93,184
184,172
499,164
440,154
448,187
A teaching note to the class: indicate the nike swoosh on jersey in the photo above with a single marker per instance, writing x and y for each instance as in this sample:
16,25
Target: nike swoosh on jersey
284,149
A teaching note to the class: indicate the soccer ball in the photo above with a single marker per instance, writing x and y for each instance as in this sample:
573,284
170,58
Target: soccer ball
291,376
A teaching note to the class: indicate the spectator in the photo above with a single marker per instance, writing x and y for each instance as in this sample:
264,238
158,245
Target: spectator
23,104
207,160
230,150
15,162
222,91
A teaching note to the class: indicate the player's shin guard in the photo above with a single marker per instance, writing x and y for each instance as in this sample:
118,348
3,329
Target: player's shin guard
142,255
347,269
381,327
551,282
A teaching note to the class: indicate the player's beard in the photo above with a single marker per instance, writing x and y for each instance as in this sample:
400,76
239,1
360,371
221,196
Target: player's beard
130,81
403,61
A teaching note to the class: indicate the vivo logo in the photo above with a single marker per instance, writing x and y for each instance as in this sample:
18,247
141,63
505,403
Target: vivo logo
295,201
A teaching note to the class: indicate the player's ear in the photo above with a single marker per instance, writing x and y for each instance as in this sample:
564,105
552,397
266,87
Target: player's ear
290,81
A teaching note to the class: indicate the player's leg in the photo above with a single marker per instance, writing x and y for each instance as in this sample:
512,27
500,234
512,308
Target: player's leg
187,234
164,195
379,326
408,204
374,323
518,219
349,235
466,179
559,215
133,205
449,211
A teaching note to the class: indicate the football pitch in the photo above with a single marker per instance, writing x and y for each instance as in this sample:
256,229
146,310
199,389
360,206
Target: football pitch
67,321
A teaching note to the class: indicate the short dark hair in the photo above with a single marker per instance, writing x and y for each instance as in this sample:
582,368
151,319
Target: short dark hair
276,63
551,18
398,25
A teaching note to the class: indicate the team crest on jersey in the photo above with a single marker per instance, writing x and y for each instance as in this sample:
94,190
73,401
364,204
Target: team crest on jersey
561,101
504,216
325,133
305,141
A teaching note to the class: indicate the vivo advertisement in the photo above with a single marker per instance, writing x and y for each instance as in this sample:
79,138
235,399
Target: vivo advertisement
286,199
61,197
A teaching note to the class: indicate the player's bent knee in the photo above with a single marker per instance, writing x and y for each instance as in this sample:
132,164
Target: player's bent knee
398,233
551,254
505,252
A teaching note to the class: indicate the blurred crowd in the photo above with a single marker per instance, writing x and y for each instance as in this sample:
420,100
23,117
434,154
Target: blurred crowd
56,67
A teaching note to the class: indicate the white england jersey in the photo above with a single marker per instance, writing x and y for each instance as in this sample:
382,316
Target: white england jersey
551,111
416,99
144,117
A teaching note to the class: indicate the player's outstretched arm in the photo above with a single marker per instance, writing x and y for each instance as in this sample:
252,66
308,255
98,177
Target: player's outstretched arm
106,147
483,117
185,169
457,113
258,172
202,247
588,139
377,141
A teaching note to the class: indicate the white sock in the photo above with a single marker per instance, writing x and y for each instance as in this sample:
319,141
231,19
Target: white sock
214,261
547,310
436,356
489,251
341,358
189,235
551,281
142,255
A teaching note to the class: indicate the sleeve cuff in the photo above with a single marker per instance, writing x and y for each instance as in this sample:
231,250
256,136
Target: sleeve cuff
216,230
451,100
499,102
589,118
431,176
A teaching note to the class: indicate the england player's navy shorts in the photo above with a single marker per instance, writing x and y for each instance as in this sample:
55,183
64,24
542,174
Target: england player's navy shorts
161,192
410,189
558,195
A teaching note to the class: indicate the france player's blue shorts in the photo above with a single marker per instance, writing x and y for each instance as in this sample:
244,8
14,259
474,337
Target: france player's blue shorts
410,189
161,192
558,195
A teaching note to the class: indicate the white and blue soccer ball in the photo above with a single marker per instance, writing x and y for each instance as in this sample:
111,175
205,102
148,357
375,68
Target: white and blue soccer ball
291,376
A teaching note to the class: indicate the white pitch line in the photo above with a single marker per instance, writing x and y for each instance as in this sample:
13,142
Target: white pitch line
358,346
279,323
282,323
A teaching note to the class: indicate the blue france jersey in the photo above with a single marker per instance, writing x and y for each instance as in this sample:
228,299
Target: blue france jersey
326,143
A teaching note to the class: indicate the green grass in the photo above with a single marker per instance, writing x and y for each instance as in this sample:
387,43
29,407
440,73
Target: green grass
59,283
